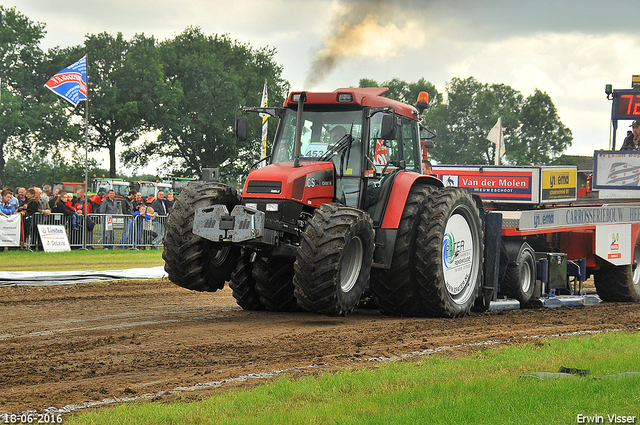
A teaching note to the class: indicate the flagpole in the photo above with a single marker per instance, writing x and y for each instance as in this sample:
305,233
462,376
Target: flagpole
499,144
86,158
68,85
263,146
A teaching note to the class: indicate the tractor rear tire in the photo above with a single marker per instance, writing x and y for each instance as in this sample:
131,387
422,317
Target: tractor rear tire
450,253
397,291
333,261
620,283
243,285
274,283
520,277
191,261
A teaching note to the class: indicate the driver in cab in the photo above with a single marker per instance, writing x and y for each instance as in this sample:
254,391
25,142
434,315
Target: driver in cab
632,141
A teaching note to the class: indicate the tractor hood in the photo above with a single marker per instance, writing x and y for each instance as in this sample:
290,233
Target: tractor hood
311,184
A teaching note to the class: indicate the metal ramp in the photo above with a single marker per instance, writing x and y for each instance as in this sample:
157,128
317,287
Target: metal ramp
551,301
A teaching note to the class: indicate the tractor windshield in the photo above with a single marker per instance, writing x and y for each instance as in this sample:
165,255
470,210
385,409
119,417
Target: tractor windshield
102,187
326,136
147,189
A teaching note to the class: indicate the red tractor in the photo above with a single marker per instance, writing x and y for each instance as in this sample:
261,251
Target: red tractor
341,213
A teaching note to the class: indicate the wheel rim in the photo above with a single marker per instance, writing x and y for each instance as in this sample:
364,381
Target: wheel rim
220,256
525,277
351,264
636,269
459,253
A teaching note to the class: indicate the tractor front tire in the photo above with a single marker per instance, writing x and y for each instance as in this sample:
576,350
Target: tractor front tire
333,261
243,285
191,261
274,283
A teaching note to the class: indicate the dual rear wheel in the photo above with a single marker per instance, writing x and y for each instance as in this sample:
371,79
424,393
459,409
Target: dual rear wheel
437,261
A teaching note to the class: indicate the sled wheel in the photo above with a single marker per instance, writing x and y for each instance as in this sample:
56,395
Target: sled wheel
520,278
620,283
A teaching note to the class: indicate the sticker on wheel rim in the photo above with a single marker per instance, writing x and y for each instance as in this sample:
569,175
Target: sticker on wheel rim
457,254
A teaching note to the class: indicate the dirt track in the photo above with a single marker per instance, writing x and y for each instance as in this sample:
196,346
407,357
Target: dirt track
73,344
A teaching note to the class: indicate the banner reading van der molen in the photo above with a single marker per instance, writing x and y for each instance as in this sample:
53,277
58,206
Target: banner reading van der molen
71,83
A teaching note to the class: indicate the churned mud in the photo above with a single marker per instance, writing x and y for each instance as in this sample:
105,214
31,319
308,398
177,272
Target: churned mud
68,345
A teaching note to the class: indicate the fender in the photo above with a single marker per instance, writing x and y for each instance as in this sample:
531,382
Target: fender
398,198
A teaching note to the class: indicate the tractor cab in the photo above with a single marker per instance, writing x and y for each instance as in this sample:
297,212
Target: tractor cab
366,141
327,136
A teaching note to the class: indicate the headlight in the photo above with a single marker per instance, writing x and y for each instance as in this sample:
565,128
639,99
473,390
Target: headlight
345,97
272,207
254,206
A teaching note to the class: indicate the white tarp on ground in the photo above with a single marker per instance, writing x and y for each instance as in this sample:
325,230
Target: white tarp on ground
69,278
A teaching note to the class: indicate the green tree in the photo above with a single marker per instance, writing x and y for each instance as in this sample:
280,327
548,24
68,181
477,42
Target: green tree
52,129
40,169
406,92
211,76
32,119
463,122
533,133
126,88
19,54
541,137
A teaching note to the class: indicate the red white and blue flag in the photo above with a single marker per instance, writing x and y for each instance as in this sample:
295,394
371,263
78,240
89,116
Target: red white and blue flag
71,82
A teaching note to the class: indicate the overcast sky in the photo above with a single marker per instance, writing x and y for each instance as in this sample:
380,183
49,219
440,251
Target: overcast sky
569,49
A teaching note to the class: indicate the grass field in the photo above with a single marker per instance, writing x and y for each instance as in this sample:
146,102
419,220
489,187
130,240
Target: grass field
79,260
486,387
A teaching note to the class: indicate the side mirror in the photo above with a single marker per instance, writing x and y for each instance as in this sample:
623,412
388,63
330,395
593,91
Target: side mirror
242,128
388,130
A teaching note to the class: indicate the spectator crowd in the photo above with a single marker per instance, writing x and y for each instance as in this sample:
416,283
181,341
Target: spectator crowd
29,202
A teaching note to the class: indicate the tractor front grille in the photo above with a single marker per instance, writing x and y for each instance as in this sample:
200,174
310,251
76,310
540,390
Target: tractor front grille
258,186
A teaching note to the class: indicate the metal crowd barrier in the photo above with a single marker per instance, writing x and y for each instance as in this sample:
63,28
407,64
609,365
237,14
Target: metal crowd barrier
102,231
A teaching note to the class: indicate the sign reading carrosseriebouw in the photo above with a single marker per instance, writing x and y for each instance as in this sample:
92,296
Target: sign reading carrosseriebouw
554,218
54,238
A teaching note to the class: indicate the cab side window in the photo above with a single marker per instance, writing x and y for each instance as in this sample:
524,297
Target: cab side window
383,152
409,137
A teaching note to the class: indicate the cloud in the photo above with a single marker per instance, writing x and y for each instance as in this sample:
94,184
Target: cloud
567,49
373,28
572,68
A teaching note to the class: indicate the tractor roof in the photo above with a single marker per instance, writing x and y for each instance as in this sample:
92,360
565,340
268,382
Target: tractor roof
365,97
